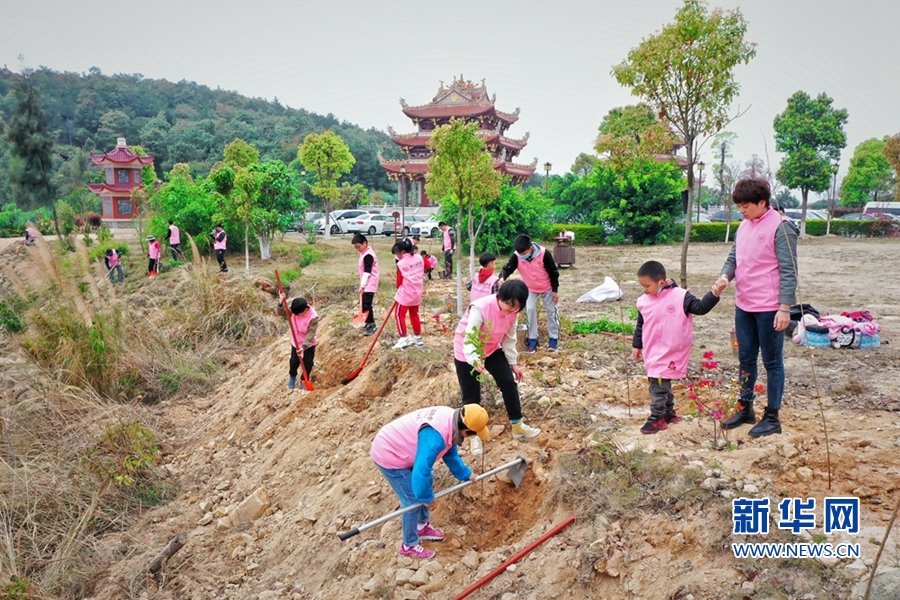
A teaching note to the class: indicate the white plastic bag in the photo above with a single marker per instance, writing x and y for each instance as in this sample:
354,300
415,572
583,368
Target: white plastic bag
607,291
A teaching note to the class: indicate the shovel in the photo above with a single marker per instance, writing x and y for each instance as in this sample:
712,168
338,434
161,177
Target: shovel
516,474
354,374
287,311
360,318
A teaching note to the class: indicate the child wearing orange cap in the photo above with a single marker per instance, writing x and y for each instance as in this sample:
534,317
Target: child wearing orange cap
405,451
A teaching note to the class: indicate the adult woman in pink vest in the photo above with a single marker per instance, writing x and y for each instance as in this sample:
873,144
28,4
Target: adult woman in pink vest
493,320
405,451
305,322
153,252
174,237
113,263
220,243
763,264
368,278
539,272
410,286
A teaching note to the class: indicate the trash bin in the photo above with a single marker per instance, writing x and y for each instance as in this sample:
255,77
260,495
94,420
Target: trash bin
564,251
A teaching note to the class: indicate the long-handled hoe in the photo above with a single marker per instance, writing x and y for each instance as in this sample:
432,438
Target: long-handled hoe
355,373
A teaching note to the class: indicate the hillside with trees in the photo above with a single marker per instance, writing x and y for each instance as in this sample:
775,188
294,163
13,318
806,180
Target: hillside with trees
182,122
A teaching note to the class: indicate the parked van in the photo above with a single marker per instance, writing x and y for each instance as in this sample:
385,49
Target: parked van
882,208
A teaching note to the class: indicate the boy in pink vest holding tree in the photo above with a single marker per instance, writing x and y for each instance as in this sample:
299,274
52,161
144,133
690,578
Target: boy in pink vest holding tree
763,265
492,319
485,282
305,323
368,278
663,336
410,286
538,270
405,451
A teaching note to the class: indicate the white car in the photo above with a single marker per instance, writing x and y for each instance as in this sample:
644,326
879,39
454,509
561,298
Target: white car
411,221
369,224
427,228
338,220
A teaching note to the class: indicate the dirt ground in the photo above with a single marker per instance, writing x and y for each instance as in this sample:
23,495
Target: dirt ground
309,453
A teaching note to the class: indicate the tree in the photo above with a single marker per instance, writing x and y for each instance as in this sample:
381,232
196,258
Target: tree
869,175
235,203
584,164
460,168
189,204
811,134
634,133
328,157
722,144
785,199
31,164
685,74
267,193
892,153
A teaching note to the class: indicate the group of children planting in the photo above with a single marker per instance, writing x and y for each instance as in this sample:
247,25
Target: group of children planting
762,262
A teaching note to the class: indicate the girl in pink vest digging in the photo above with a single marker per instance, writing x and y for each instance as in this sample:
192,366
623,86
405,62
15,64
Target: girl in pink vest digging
539,272
305,322
663,336
763,265
410,286
493,320
405,451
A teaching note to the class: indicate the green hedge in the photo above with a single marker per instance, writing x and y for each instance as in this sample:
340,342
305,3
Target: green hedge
584,234
715,232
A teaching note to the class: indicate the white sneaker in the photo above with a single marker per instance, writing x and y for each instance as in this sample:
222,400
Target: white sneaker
417,340
521,431
476,447
401,343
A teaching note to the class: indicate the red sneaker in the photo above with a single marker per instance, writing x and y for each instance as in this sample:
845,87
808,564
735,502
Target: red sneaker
672,418
654,425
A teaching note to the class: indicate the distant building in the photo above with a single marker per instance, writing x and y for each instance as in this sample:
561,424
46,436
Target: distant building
464,100
123,174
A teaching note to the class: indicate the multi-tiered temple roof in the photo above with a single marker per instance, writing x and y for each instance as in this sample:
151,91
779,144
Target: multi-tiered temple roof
462,99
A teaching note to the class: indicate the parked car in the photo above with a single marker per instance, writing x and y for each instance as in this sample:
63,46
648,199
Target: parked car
703,218
338,220
300,224
427,228
811,214
370,224
411,221
722,216
859,217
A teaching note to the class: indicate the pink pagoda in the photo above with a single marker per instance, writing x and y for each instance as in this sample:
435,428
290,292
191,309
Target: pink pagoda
123,174
462,100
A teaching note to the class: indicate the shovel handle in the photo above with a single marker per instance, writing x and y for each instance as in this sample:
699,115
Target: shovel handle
397,513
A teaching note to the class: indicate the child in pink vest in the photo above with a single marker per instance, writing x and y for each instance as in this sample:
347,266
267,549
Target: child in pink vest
431,263
449,247
664,335
367,269
493,320
538,270
485,283
410,286
305,322
220,243
174,237
405,451
153,252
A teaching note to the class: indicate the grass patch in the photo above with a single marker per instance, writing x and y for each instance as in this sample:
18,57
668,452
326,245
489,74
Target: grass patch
309,254
12,311
601,325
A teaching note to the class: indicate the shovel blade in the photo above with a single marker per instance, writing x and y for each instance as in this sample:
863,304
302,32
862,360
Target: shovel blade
360,319
516,473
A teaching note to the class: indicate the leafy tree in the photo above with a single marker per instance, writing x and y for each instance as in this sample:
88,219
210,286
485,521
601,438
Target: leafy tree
461,169
785,199
869,175
30,170
892,153
685,74
268,194
351,196
584,164
188,203
811,134
634,133
726,174
235,203
328,157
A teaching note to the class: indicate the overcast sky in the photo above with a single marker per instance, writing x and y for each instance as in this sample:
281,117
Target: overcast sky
356,58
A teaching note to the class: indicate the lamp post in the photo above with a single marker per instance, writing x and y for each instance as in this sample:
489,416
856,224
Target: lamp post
547,167
832,199
403,186
700,166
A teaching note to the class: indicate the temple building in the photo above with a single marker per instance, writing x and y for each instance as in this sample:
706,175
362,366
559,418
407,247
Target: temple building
123,174
463,100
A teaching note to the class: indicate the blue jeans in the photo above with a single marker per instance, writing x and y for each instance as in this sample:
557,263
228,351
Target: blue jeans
755,332
401,482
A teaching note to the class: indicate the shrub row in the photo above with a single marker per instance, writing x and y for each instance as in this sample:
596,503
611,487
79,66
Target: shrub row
715,232
584,234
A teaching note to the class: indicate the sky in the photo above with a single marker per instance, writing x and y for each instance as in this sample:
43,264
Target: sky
357,58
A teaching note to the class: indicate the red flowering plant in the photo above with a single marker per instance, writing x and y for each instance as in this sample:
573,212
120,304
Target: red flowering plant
714,397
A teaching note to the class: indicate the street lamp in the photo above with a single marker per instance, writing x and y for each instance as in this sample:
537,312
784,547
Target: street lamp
403,187
700,166
547,167
832,200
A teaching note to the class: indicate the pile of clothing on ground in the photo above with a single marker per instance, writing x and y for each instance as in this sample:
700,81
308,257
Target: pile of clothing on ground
849,330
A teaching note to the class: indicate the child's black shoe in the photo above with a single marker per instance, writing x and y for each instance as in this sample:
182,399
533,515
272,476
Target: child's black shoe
671,418
654,424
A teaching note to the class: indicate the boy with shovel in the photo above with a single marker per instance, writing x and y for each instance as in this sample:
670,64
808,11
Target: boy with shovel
405,451
305,322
